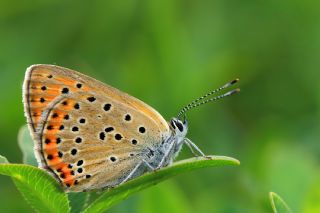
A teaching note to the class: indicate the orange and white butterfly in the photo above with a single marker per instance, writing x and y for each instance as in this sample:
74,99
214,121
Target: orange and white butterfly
89,135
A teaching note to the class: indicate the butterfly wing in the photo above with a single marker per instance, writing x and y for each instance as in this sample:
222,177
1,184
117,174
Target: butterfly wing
88,134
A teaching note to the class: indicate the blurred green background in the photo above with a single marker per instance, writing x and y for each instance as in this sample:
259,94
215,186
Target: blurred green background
169,52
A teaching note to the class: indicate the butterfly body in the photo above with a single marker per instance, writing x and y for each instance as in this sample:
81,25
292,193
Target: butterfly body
89,135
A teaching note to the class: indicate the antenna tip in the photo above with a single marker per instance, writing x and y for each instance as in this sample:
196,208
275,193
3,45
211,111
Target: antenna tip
235,91
232,92
234,81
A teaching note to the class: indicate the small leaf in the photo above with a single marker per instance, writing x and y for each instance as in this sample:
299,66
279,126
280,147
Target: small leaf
115,195
278,204
3,159
26,145
41,190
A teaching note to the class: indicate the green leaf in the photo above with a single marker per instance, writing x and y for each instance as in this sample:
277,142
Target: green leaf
26,145
278,204
115,195
78,201
41,190
3,159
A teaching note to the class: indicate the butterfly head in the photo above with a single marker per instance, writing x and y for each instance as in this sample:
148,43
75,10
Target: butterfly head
179,127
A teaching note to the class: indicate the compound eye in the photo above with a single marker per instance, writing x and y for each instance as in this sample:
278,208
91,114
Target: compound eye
172,124
179,125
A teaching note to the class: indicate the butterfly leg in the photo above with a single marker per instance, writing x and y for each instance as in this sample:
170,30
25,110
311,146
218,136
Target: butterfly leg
192,146
135,169
191,149
130,175
149,165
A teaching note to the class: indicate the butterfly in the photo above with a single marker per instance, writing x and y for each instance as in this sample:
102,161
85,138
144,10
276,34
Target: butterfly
89,135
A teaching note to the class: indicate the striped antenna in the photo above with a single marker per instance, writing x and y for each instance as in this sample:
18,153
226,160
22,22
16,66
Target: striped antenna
200,101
